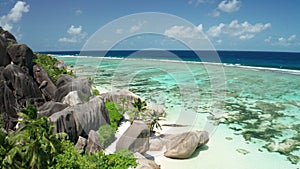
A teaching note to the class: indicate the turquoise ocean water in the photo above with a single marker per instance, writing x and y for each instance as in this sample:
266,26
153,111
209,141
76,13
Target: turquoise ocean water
257,106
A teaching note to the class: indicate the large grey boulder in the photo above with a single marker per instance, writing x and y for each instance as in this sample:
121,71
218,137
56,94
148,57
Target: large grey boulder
116,96
144,163
51,107
8,106
45,83
22,85
60,64
93,142
72,99
81,143
7,35
183,145
78,120
4,58
21,55
135,138
66,84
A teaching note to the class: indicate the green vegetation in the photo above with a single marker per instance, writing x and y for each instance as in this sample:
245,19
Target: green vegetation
106,135
139,105
95,92
114,115
47,63
33,145
154,122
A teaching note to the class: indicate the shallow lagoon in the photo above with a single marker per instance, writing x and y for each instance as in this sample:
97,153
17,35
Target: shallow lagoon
260,112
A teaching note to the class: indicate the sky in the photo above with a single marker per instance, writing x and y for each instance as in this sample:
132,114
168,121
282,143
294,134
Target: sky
248,25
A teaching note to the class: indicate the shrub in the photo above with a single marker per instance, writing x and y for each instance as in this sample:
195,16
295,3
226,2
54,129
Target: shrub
95,92
47,63
114,115
106,135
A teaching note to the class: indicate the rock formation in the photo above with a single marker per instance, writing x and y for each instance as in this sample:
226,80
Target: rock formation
135,138
183,145
66,84
93,142
78,120
45,83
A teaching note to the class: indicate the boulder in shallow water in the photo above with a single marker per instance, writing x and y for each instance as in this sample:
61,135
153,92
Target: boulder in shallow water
135,138
116,96
183,145
78,120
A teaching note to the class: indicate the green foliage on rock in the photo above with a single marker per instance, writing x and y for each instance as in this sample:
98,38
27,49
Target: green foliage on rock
47,63
106,135
95,92
114,115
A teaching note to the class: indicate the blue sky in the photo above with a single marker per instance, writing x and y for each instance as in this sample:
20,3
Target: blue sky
259,25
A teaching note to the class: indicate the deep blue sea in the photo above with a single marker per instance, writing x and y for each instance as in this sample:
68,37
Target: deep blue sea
282,60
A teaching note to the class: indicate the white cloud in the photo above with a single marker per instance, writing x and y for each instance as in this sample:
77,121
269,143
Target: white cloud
185,32
284,41
76,35
119,31
136,28
242,31
14,16
198,2
75,31
215,13
229,5
78,12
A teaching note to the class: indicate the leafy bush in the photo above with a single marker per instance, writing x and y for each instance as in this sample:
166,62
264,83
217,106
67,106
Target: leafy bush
106,135
95,92
122,159
47,63
114,115
71,158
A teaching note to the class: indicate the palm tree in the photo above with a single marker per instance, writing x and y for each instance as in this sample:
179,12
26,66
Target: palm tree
153,122
139,105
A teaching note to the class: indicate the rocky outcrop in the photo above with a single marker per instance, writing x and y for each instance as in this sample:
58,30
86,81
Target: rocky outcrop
93,142
60,64
66,84
135,138
81,143
45,83
21,55
72,99
144,163
50,108
4,58
24,88
183,145
116,96
78,120
10,38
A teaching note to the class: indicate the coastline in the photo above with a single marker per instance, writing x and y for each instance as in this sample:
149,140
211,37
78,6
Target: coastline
216,149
